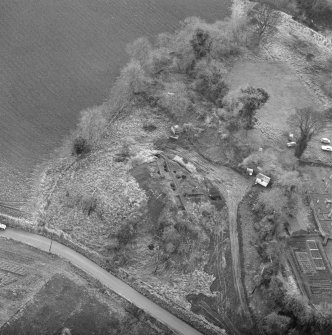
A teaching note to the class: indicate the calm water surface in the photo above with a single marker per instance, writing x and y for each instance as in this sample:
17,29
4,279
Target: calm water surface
58,57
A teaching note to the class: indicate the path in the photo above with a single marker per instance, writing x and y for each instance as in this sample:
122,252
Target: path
107,279
233,187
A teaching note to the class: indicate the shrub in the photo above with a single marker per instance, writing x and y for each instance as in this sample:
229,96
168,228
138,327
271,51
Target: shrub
273,201
252,99
125,234
159,61
209,81
88,204
275,324
123,154
201,43
149,127
80,146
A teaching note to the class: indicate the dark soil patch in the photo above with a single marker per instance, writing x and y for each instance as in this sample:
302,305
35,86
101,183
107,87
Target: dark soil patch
149,127
153,189
61,303
215,196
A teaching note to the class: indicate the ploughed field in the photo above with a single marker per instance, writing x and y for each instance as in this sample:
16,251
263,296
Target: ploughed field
59,57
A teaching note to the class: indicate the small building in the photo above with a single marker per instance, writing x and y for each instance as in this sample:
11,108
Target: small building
250,171
176,130
263,180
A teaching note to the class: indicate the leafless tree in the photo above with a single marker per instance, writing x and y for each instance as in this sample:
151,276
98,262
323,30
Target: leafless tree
308,122
265,20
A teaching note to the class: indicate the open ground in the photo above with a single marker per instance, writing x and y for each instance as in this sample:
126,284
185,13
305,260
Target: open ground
43,293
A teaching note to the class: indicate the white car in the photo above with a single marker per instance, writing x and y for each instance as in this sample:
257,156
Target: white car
2,226
325,140
291,144
326,147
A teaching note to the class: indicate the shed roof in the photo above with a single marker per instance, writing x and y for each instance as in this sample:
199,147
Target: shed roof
262,179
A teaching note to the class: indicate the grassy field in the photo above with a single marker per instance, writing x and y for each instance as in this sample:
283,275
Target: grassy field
59,57
61,303
42,294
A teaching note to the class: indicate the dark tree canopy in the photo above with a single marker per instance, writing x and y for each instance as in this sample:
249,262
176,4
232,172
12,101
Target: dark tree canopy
252,99
201,44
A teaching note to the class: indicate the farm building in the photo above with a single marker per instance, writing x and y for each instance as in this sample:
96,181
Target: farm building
263,180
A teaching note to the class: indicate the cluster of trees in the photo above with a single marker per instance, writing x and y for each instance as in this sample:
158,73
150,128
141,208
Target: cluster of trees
292,315
182,239
240,107
197,50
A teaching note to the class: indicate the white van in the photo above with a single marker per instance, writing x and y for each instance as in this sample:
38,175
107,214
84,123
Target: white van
2,226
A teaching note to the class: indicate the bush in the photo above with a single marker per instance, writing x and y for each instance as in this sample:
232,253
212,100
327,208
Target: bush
273,201
275,324
88,204
125,234
209,81
80,146
149,127
201,43
159,61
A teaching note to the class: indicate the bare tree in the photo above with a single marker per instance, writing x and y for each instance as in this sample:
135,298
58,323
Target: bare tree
265,20
308,122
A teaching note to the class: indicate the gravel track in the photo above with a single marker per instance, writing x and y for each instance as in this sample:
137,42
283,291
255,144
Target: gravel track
233,187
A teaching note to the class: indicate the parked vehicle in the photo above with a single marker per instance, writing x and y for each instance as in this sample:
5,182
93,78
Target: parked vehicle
327,147
325,140
2,226
291,144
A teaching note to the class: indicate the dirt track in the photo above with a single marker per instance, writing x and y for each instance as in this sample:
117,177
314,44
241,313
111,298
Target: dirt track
233,187
104,277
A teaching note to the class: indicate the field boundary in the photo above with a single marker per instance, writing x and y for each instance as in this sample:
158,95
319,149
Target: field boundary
197,321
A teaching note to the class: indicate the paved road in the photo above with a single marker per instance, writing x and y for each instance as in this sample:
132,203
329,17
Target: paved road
110,281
